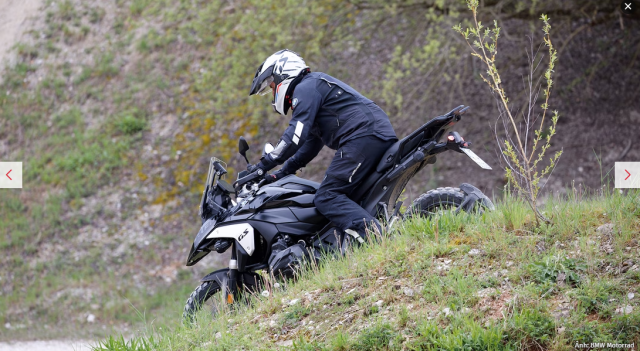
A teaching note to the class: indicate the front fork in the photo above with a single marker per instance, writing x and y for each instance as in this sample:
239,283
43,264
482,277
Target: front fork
232,283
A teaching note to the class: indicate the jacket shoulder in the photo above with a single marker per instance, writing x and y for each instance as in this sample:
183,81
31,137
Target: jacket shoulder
308,85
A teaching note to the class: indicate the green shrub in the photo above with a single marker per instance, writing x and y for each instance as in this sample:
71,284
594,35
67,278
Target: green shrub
531,327
71,118
135,344
66,10
296,313
461,335
625,329
130,124
377,337
587,333
553,267
594,297
105,66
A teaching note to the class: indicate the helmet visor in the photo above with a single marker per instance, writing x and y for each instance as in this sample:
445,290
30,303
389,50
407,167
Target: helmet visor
264,87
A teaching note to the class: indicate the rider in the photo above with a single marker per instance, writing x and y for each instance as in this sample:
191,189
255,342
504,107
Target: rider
327,112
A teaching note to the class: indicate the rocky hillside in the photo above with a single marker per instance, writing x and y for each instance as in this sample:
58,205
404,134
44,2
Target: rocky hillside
467,282
115,106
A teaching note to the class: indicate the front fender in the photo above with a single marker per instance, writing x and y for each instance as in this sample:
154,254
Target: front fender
247,280
472,195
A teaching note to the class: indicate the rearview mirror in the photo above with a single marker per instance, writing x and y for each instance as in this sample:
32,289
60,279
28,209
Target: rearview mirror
243,147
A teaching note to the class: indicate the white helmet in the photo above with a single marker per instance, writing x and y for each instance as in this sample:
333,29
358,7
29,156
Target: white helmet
283,68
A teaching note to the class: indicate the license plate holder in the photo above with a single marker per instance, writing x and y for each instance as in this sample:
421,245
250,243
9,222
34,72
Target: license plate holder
472,155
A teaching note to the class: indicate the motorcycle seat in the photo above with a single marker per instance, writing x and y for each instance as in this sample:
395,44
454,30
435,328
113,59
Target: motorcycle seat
406,145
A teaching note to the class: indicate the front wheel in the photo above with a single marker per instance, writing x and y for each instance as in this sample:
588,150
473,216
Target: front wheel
201,297
207,296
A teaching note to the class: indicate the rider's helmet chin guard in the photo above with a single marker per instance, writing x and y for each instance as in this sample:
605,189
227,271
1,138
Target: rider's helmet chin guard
285,68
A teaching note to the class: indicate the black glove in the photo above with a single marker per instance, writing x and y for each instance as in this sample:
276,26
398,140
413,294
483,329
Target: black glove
274,177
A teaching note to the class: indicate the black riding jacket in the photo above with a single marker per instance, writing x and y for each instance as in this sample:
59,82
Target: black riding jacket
328,112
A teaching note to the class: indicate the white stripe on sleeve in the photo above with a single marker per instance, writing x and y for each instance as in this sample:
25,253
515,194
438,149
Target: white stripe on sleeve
299,128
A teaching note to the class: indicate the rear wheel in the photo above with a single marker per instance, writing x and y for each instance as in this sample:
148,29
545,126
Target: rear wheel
436,201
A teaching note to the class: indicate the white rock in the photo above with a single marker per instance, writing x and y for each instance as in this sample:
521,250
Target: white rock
447,311
509,263
624,310
408,291
605,229
7,325
475,252
272,323
91,318
293,302
379,303
218,335
630,296
485,292
285,343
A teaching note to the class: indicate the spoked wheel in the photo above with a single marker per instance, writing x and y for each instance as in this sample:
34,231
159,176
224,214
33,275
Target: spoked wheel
206,296
436,202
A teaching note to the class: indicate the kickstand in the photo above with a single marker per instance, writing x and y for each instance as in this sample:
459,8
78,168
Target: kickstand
386,211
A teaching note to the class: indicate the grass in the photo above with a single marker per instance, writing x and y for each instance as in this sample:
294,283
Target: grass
537,299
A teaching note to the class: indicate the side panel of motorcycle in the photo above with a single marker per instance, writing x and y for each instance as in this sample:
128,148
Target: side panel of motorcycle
268,232
276,215
304,200
238,217
307,215
300,228
242,257
242,232
206,228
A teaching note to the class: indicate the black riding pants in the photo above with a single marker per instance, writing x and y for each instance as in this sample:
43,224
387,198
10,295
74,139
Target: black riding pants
353,162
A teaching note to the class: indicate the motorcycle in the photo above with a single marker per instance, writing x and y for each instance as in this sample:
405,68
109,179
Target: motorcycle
274,227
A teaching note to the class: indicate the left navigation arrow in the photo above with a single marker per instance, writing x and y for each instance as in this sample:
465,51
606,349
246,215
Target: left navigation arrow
10,175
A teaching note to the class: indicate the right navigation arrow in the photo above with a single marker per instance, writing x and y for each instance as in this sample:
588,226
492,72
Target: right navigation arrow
629,175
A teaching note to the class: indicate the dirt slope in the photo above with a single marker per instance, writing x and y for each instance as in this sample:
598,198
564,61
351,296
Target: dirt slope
13,17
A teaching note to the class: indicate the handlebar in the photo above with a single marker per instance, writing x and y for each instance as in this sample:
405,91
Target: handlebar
246,179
